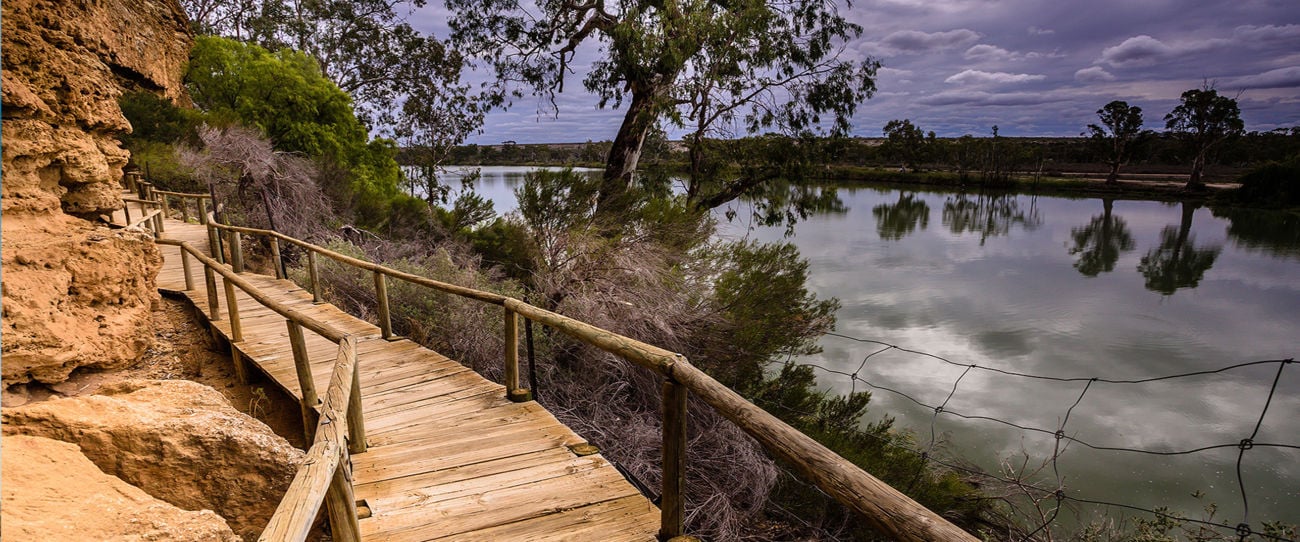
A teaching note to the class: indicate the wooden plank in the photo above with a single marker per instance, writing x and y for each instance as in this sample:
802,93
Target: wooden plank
627,519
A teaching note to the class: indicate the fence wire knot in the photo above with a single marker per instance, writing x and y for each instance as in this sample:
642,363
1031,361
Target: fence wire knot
938,409
1246,444
1060,434
1243,531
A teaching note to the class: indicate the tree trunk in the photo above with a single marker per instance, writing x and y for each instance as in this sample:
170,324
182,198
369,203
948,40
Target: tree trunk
1113,177
1198,166
625,152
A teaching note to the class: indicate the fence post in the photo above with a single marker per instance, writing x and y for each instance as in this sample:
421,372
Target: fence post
203,210
126,209
185,209
158,225
236,252
513,391
275,258
341,504
385,318
305,383
185,264
672,504
315,276
210,281
236,332
356,421
166,205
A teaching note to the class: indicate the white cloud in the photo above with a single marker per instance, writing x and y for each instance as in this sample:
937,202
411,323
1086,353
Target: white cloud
1095,74
1279,78
985,51
1036,31
1140,50
1144,50
915,41
981,98
977,77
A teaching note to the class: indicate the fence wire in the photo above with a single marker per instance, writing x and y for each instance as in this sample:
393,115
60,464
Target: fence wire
1242,530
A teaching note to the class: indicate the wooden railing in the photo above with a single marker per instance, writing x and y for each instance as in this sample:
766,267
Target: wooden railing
325,477
882,506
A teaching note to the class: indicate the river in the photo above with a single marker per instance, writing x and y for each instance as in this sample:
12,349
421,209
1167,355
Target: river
1071,288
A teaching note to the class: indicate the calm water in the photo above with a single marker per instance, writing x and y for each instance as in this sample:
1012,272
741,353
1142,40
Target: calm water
1067,288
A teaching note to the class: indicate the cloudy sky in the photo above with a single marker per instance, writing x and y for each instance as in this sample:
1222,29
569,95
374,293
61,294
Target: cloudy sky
1032,67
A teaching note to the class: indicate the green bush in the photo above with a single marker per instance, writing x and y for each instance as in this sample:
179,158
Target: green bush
1271,185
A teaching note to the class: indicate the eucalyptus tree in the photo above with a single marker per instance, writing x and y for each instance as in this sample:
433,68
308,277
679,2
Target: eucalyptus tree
1121,125
1177,262
1204,119
1100,242
905,141
708,66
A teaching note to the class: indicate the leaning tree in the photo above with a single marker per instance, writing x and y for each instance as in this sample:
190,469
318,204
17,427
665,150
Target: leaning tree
1204,119
700,65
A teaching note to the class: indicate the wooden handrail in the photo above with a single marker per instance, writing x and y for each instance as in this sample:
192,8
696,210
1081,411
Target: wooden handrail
884,507
324,479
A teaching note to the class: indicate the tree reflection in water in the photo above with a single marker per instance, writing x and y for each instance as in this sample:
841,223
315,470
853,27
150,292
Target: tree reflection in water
897,220
1100,242
1177,262
989,215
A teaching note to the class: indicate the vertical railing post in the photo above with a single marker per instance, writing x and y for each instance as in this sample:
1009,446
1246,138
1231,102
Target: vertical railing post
236,252
276,260
203,211
306,384
158,224
356,420
126,210
185,264
385,318
672,503
236,332
340,501
513,391
315,276
185,209
166,204
210,281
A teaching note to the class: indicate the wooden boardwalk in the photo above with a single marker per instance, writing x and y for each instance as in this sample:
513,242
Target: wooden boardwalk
450,458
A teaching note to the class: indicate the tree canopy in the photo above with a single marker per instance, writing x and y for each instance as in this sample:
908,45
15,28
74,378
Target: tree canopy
1204,119
1121,124
696,64
284,95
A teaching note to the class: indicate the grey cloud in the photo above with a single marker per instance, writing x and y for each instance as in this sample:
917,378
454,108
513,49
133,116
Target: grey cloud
988,98
1279,78
1094,74
977,77
915,41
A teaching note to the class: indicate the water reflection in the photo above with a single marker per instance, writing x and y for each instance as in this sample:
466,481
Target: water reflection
1099,243
1273,232
896,220
989,215
1177,262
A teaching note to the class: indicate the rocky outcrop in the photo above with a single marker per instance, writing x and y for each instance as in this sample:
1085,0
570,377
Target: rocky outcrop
52,492
178,441
74,293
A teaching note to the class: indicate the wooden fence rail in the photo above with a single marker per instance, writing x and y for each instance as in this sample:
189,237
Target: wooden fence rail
325,478
885,508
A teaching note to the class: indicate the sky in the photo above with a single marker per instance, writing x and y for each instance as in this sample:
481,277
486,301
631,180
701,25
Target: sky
1031,67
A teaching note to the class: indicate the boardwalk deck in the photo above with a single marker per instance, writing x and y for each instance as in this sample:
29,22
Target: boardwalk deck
450,458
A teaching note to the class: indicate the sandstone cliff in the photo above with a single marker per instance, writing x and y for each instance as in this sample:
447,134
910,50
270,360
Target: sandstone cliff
52,492
177,440
76,294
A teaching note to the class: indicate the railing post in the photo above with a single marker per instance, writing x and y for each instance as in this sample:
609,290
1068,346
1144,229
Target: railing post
236,332
341,504
315,276
236,252
166,205
203,211
214,239
356,421
513,391
275,257
672,503
305,382
126,210
185,264
210,281
185,209
158,224
385,318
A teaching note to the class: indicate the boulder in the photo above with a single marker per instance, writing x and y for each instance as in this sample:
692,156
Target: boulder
178,441
52,492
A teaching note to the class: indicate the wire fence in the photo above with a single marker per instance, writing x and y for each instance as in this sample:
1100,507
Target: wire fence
1059,495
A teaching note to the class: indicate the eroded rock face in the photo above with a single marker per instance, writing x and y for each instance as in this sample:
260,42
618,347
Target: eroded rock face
52,492
178,441
76,294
